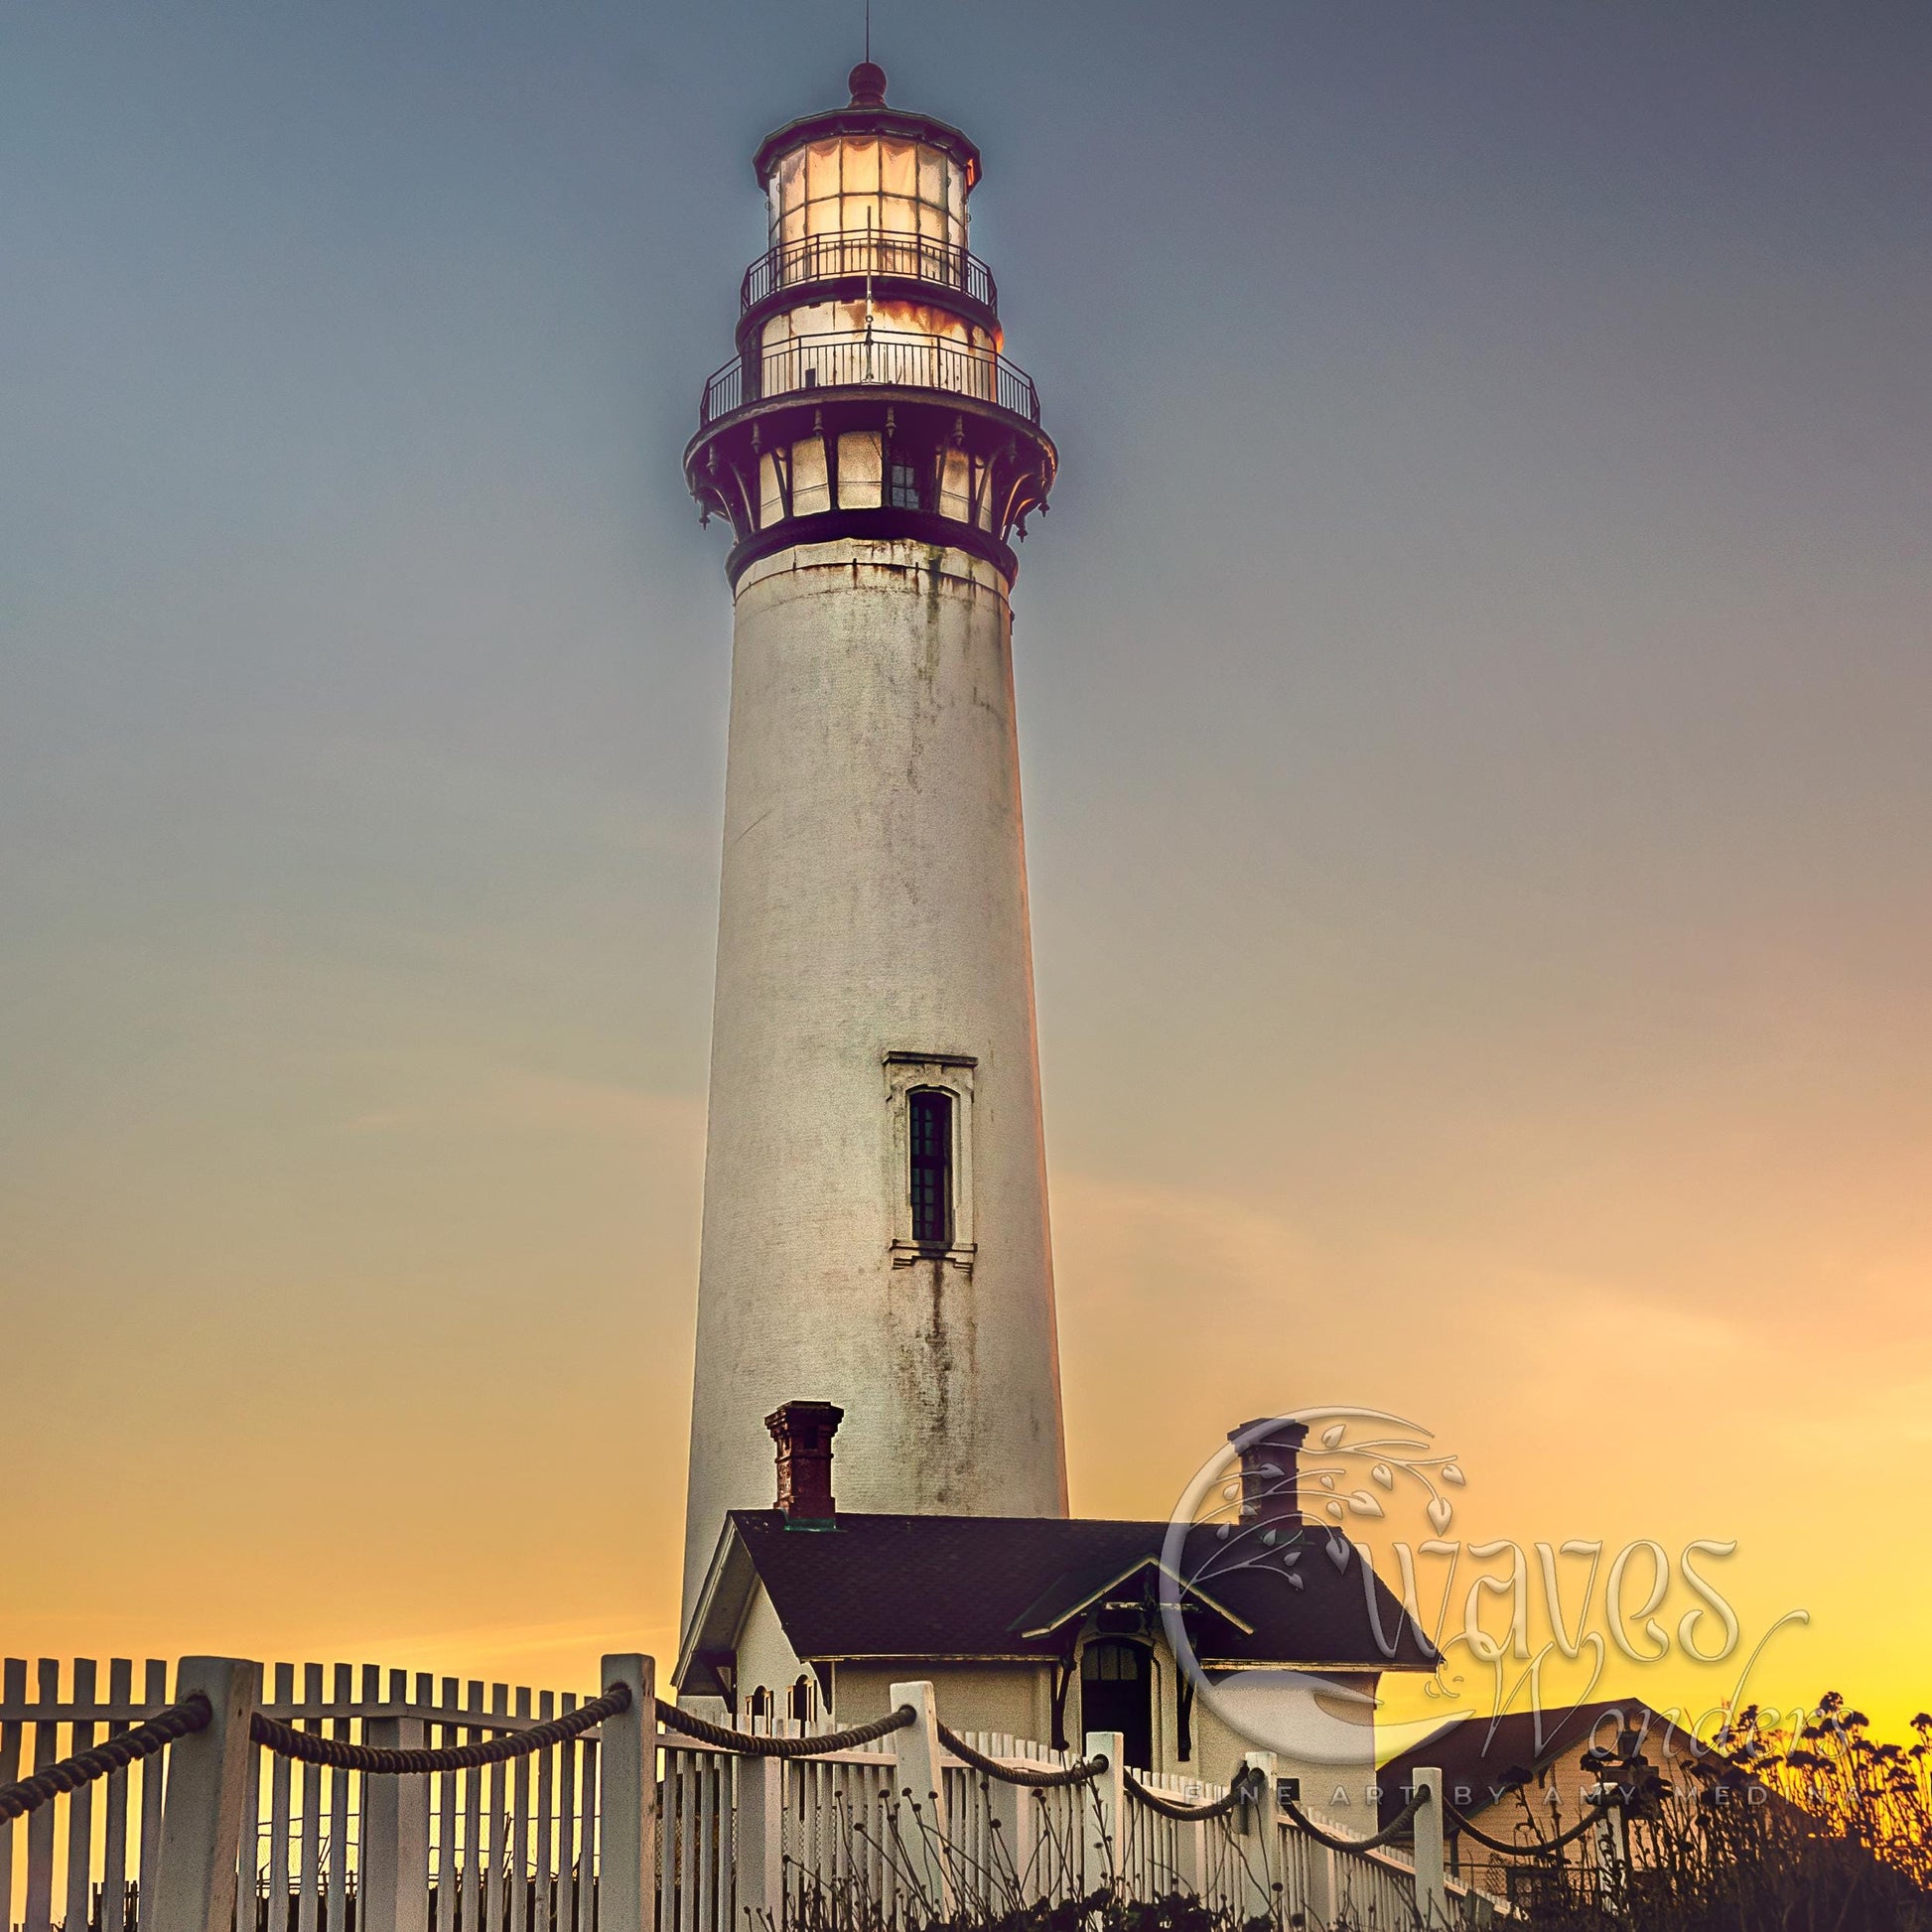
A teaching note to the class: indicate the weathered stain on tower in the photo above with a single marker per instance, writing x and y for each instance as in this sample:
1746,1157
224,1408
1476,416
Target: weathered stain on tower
874,1213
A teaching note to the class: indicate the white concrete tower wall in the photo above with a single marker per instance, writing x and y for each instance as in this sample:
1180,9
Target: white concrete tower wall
872,932
874,940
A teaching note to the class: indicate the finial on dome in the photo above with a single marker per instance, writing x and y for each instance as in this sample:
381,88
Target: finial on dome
867,84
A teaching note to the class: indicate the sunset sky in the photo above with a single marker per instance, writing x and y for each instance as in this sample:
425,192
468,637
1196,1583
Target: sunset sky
1475,705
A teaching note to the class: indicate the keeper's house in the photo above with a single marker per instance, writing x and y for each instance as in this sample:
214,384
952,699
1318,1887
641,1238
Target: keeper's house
1051,1627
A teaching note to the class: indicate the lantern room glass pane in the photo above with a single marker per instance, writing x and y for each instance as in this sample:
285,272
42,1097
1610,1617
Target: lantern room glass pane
861,166
862,185
898,168
822,170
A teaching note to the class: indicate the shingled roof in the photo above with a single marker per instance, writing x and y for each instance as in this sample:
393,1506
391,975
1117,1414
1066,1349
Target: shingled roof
1015,1587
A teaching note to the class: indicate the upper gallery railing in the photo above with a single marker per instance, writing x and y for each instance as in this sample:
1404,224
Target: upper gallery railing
828,257
870,355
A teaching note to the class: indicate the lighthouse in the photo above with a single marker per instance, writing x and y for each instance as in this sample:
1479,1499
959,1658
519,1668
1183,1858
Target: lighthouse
875,1197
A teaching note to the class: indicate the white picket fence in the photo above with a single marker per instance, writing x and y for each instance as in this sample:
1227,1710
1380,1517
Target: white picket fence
575,1836
116,1824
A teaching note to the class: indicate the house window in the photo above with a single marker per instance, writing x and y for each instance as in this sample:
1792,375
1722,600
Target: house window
760,1708
800,1701
903,482
929,1144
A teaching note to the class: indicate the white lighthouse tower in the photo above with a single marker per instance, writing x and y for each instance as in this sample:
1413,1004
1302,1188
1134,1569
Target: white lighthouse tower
874,1207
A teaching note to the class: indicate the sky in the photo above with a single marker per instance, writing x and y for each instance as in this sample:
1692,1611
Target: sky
1474,707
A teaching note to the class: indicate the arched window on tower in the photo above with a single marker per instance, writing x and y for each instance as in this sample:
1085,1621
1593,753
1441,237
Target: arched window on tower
930,1179
929,1124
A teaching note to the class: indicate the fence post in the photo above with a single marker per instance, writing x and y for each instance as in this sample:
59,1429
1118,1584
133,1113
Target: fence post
919,1798
1432,1888
1612,1844
1260,1851
208,1772
626,1879
392,1889
758,1845
1109,1808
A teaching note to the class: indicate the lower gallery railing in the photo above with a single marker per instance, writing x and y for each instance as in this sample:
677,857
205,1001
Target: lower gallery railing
332,1799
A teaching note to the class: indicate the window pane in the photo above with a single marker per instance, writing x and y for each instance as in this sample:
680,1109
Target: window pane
809,492
899,217
929,1136
957,486
861,219
861,166
822,169
898,168
859,470
933,177
902,490
858,214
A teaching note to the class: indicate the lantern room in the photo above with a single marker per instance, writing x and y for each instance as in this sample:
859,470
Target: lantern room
868,184
869,381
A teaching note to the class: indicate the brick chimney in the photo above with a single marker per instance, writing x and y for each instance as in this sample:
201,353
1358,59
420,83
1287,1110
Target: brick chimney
1270,1471
803,1432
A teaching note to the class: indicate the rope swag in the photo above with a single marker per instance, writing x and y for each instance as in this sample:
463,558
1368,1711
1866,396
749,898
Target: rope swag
1544,1848
1038,1780
1249,1787
28,1794
745,1743
339,1754
1393,1829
